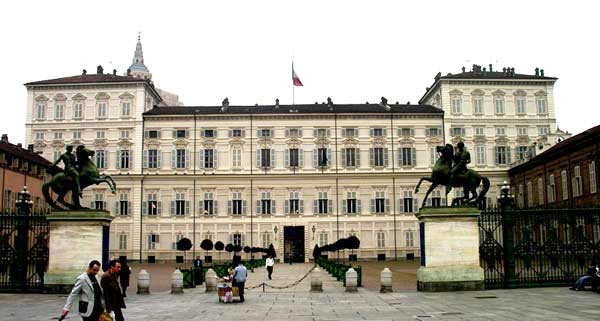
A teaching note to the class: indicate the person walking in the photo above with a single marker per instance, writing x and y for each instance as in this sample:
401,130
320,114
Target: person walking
124,275
239,279
197,271
88,293
112,292
269,265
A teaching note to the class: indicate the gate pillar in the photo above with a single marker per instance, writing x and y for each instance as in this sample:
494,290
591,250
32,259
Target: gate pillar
449,250
76,238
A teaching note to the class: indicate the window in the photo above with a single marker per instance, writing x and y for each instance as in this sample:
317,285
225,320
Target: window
457,131
77,135
350,157
125,108
502,155
152,134
323,204
124,134
100,134
152,158
123,159
379,205
408,204
592,171
293,132
58,136
236,157
209,133
522,131
264,157
152,206
178,237
265,132
101,110
350,204
210,158
265,205
59,111
521,105
480,154
540,188
56,154
380,239
39,136
78,110
153,240
237,133
266,240
406,132
522,152
180,133
293,157
379,156
541,105
181,158
208,204
180,207
551,189
477,105
499,104
101,161
433,155
577,182
500,131
122,241
321,132
351,132
563,178
294,204
408,156
433,132
521,196
529,194
410,238
456,104
479,131
123,205
377,132
40,111
238,206
322,157
99,201
8,202
323,239
543,131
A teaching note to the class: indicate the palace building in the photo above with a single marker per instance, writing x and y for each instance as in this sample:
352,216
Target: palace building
288,175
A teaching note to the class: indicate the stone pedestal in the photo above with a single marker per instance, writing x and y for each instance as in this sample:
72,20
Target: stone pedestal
351,280
316,280
143,282
76,238
177,282
211,280
386,281
449,250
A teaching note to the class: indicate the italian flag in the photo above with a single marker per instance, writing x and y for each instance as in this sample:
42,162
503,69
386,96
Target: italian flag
295,78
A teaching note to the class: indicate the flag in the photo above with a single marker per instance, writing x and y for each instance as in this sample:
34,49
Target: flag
295,78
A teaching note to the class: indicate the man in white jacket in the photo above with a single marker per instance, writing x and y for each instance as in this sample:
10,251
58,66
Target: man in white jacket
89,294
269,264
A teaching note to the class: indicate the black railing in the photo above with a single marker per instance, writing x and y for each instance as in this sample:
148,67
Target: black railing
547,247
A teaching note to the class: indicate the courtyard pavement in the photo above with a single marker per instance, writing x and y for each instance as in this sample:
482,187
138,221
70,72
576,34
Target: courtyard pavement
297,303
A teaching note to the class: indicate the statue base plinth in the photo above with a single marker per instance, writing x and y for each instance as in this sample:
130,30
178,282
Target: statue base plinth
449,250
76,238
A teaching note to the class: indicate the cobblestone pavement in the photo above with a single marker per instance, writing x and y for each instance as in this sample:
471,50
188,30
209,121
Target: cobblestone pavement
298,303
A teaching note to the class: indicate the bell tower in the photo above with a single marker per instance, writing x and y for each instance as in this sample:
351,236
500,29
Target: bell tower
138,69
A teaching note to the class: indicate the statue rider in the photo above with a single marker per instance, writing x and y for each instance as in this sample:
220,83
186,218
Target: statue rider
71,171
460,159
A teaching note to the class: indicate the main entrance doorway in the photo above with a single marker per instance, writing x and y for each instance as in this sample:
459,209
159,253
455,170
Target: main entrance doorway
293,243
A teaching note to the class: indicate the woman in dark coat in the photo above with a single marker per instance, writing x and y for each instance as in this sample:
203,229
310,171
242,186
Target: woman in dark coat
124,275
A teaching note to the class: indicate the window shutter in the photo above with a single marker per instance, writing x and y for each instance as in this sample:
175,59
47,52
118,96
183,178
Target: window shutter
273,207
258,133
412,132
187,158
231,238
258,207
400,205
258,158
272,154
187,133
328,133
244,207
174,133
372,205
371,157
385,157
344,209
301,158
343,157
508,156
301,206
243,239
358,206
159,208
144,208
427,132
215,158
229,207
444,201
287,132
158,158
315,132
172,207
145,158
384,132
116,210
329,157
229,133
146,135
371,132
315,158
415,204
357,159
215,207
414,156
329,206
315,207
118,164
200,158
428,202
200,207
131,159
174,158
496,154
93,205
387,205
187,208
286,206
286,155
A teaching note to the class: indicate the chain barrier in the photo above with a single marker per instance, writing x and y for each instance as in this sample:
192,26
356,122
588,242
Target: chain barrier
285,286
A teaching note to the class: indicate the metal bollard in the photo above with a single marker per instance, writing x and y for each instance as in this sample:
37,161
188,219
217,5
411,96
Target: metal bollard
316,280
211,281
351,280
143,282
386,281
177,282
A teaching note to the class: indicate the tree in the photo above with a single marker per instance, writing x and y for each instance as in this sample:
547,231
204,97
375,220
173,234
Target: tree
247,249
184,245
229,247
316,252
219,246
206,245
237,248
353,243
271,251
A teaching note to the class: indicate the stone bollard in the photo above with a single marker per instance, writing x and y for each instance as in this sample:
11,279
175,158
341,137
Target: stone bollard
316,280
177,282
386,281
211,281
143,282
351,280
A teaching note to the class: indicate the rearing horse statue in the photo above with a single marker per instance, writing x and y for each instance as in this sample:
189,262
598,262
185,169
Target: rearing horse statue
62,183
440,175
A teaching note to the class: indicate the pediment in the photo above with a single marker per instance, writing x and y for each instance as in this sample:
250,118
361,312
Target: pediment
498,93
236,141
180,142
100,142
294,141
456,92
520,92
406,140
102,95
523,140
501,140
540,93
152,144
58,144
433,141
477,92
60,97
322,141
480,139
350,140
41,98
457,139
208,144
39,145
79,97
126,95
124,143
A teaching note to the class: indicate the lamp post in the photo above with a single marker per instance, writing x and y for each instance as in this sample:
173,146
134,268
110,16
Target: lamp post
19,271
24,202
275,231
314,229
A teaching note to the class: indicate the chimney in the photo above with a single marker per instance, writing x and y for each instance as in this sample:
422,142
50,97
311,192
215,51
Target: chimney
114,72
330,103
128,72
4,138
30,148
504,70
491,70
276,103
84,72
542,72
463,69
537,71
19,145
99,70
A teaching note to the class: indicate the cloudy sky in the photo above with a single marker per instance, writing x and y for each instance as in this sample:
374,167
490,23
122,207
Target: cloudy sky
351,51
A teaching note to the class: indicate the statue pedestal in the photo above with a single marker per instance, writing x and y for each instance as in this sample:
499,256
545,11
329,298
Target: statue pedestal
449,250
76,238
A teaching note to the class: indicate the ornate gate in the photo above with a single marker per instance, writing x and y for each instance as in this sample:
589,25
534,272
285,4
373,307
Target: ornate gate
23,251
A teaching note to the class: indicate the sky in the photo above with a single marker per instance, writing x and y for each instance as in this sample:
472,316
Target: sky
351,51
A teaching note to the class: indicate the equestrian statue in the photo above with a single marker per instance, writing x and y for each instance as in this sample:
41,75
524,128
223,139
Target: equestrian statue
450,170
79,172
